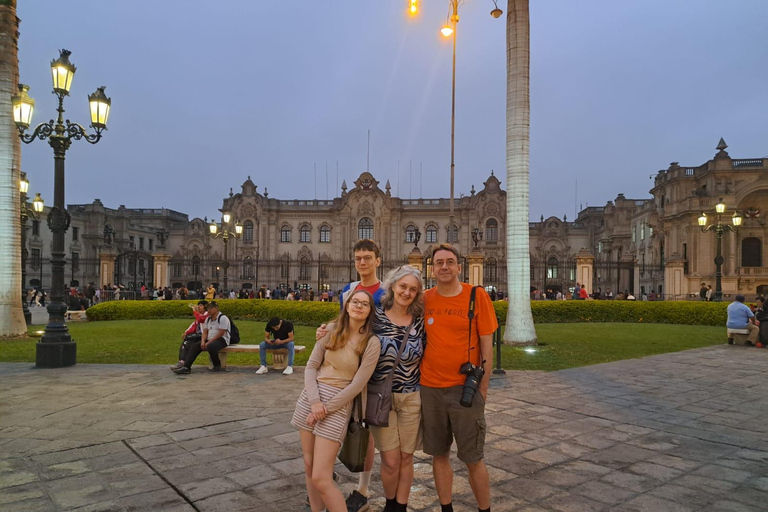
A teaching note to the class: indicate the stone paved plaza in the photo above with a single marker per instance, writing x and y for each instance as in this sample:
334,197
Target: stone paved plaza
676,432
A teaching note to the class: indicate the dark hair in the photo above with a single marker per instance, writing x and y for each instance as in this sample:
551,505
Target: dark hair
740,298
447,247
273,322
366,244
213,304
202,303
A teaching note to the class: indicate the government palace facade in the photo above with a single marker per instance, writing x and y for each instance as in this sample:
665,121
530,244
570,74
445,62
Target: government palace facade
640,245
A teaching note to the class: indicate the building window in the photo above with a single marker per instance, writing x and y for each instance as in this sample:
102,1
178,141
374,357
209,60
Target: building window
365,228
75,234
176,269
133,241
634,234
304,272
75,261
141,243
247,268
248,232
491,270
36,227
491,231
642,231
305,234
552,268
285,234
751,252
431,235
324,272
151,245
36,257
284,268
214,271
600,247
195,266
325,234
410,234
453,235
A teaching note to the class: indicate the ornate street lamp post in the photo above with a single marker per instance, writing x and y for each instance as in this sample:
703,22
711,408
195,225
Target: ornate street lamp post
56,348
477,236
225,233
719,228
37,207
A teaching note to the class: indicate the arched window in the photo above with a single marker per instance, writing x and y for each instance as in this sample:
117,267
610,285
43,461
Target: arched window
325,234
365,228
552,268
195,266
305,234
284,268
491,231
248,232
410,234
453,235
431,235
285,234
751,252
304,272
491,270
247,267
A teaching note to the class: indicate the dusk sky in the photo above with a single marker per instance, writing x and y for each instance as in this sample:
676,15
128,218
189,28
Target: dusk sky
206,93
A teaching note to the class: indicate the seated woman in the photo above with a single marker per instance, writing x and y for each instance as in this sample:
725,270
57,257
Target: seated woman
337,371
399,324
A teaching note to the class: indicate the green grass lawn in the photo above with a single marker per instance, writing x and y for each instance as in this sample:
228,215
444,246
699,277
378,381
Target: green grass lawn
561,345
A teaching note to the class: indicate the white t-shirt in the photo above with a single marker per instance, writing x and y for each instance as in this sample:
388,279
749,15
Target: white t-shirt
215,326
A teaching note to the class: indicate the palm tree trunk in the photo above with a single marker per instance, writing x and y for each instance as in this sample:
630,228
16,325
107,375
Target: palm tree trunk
519,328
11,315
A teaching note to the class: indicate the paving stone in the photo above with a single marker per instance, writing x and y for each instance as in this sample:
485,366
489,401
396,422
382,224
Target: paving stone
21,493
528,489
619,456
545,456
729,474
570,502
34,505
635,483
684,495
731,506
201,489
655,471
649,503
164,499
603,492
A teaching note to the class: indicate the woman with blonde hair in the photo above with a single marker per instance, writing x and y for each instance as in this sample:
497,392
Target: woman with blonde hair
337,371
399,324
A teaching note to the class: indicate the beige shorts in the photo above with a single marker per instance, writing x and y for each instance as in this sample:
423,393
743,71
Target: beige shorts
404,431
333,427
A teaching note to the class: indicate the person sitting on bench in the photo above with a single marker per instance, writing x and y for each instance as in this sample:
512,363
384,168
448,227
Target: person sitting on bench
215,337
282,333
194,332
741,317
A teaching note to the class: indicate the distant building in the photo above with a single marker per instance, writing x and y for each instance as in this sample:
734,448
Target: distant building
638,245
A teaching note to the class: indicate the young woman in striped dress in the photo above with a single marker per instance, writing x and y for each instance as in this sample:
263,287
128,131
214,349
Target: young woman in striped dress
337,371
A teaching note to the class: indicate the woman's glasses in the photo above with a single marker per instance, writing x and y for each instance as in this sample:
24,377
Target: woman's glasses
362,304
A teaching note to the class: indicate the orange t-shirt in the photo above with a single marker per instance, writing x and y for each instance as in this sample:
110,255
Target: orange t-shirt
446,323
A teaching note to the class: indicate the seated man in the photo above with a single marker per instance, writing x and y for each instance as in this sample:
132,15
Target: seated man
741,317
282,332
194,332
215,337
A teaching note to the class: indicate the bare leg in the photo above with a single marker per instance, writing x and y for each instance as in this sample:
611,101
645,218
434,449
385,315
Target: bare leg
406,477
390,469
481,485
441,469
307,452
322,475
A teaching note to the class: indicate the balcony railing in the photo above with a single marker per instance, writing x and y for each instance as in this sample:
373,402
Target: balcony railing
753,271
747,162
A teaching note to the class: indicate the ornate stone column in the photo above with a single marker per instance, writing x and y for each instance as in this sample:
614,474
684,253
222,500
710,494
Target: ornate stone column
585,269
675,283
415,259
475,259
160,273
107,257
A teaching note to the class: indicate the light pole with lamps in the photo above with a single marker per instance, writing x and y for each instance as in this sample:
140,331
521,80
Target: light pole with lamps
448,30
37,207
225,234
56,347
719,228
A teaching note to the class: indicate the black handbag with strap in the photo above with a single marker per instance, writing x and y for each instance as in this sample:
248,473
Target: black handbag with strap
355,445
379,394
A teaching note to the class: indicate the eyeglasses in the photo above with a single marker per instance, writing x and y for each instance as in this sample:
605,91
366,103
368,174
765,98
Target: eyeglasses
360,304
364,259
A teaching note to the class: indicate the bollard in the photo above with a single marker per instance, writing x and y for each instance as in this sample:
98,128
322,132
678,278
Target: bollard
497,340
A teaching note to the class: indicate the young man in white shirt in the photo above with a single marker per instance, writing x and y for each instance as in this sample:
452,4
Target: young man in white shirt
215,337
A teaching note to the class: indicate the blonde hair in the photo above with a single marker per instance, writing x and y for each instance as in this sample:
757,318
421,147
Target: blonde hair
416,308
341,331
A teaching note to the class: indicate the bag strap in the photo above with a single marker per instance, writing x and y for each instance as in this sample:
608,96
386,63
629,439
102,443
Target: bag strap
471,315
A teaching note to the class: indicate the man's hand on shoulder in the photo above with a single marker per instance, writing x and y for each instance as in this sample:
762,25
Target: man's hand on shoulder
321,332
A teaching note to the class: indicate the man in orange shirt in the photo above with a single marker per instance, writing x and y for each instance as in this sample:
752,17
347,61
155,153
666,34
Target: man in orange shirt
451,344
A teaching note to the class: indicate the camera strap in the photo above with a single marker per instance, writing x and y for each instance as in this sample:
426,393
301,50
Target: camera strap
471,315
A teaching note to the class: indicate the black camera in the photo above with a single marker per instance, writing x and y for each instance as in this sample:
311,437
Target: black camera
474,376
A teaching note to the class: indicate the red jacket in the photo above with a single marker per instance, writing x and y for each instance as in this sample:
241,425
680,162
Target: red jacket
583,293
199,319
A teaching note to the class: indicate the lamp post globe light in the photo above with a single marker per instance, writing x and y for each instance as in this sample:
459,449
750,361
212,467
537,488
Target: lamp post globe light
37,207
448,30
719,228
56,347
225,233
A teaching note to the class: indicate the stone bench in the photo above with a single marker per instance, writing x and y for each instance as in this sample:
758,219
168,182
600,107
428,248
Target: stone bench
76,315
737,336
279,355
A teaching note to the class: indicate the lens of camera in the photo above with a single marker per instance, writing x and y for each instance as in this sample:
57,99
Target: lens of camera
469,390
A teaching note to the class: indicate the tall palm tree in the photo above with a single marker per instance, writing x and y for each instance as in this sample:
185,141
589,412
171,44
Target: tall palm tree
11,315
519,328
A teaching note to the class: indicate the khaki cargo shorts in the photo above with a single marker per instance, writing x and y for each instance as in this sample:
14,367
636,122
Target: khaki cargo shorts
404,430
445,419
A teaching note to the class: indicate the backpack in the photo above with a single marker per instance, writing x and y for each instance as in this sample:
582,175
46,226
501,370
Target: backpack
234,333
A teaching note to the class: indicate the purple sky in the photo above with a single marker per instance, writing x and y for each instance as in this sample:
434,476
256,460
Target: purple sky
206,93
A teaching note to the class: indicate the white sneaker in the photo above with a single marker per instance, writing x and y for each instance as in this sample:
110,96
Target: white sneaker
288,370
262,370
